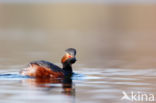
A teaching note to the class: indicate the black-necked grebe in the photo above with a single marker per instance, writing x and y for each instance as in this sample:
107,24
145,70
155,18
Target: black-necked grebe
45,69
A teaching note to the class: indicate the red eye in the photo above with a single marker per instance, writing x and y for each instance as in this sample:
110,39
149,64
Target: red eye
69,56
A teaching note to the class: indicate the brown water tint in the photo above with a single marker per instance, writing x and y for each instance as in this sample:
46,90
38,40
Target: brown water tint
115,44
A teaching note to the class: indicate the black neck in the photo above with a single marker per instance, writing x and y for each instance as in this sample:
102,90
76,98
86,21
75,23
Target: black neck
67,68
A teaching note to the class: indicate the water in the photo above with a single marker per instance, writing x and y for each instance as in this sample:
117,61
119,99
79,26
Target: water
91,85
115,51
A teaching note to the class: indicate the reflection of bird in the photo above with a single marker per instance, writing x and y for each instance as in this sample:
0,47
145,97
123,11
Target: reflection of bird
67,86
45,69
66,82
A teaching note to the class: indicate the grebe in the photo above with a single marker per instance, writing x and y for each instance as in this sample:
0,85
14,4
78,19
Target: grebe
45,69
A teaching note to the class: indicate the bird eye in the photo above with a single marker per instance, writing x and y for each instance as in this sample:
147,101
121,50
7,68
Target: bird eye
69,56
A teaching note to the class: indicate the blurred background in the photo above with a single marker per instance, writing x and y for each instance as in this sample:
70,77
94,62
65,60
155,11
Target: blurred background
105,34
